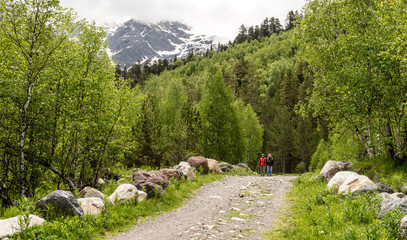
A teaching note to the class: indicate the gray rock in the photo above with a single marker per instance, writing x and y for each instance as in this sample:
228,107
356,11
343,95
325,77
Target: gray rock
339,178
213,165
403,227
401,204
12,225
101,181
152,190
387,197
332,167
225,167
354,184
123,193
62,202
242,165
186,171
92,205
89,192
378,187
141,196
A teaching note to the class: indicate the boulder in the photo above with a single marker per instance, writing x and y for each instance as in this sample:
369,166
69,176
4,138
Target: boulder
401,204
213,165
12,225
153,182
141,196
387,197
354,184
171,173
152,190
198,162
101,181
377,187
242,165
142,177
123,193
89,192
403,227
225,167
186,169
339,178
62,202
91,205
332,167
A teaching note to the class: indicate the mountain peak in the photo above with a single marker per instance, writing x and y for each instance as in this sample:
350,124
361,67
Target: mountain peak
135,41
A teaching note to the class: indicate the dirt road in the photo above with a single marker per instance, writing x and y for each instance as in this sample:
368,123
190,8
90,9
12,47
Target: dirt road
236,208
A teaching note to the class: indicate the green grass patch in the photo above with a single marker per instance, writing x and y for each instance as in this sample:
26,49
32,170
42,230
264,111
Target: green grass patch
117,217
314,212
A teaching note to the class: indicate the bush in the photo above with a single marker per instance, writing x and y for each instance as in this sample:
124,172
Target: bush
339,147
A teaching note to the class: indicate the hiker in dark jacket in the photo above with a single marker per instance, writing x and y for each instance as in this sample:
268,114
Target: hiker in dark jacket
269,163
262,164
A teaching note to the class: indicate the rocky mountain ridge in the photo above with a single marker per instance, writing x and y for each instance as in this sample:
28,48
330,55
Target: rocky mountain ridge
135,41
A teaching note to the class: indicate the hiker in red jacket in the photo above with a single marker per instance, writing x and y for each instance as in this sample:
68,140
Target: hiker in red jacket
262,164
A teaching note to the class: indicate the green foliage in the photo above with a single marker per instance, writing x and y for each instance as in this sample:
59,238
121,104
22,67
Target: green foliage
222,134
339,147
317,213
64,112
358,80
252,132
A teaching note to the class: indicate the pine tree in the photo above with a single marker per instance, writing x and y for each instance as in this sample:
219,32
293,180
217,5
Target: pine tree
264,28
250,33
257,32
118,72
241,36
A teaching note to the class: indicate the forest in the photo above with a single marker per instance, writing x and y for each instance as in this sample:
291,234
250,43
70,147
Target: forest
329,84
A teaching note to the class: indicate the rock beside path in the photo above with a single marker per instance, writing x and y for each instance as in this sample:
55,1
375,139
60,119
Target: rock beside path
242,165
141,196
142,177
332,167
354,184
377,187
92,205
213,165
89,192
339,178
401,204
170,173
186,169
403,227
225,167
12,225
123,193
61,202
199,162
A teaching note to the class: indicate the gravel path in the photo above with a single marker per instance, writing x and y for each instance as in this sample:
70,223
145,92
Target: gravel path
236,208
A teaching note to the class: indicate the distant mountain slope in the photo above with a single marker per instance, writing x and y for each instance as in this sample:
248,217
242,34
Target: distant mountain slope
137,41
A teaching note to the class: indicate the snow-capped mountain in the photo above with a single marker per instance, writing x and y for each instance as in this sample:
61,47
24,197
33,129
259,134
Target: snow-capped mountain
135,41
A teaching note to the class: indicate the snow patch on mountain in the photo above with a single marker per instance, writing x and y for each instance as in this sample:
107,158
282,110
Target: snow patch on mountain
135,41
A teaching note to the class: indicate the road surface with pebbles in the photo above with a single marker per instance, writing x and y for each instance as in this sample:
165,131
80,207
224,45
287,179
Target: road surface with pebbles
239,207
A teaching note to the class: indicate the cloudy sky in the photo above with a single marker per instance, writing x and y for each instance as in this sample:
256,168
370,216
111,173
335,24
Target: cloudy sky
220,18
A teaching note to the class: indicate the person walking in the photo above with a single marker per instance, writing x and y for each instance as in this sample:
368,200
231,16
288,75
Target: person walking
269,163
262,164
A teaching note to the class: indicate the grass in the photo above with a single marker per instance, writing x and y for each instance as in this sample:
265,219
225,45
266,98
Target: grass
115,218
314,212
